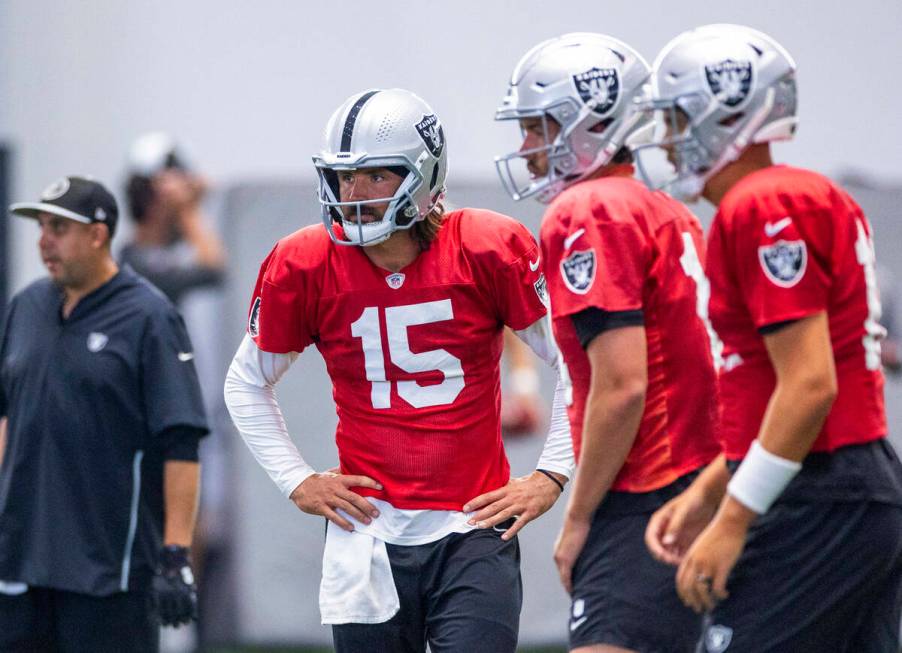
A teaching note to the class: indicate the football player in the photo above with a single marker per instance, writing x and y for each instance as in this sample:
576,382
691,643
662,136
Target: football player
804,550
628,300
406,303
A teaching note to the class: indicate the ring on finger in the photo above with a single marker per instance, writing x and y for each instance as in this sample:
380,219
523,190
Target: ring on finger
707,581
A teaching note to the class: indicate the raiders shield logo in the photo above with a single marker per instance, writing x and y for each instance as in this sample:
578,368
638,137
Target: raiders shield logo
718,638
730,81
541,287
253,322
55,190
431,132
599,88
784,262
578,271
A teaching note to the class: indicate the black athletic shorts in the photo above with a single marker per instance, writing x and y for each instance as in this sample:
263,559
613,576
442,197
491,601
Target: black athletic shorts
46,620
823,575
461,593
621,595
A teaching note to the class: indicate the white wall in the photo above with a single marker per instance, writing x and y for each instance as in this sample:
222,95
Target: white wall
248,85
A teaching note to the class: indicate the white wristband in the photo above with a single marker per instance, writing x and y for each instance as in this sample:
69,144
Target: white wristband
761,478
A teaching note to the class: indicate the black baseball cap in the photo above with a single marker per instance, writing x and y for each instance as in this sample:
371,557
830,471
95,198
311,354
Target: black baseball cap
78,198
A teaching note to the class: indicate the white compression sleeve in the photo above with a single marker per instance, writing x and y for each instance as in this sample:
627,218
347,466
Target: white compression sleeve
557,455
251,399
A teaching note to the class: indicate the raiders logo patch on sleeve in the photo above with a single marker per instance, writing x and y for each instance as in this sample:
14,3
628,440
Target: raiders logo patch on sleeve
541,287
784,262
253,322
578,271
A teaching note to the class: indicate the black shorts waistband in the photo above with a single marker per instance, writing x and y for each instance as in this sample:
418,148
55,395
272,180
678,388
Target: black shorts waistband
858,472
617,503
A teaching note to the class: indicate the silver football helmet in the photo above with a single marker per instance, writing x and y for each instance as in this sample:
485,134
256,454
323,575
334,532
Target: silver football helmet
391,129
714,91
588,84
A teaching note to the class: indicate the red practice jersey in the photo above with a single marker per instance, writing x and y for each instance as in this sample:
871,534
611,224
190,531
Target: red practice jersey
787,243
612,244
413,355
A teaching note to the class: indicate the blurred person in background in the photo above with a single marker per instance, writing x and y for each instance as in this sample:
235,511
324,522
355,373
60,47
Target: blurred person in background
801,550
173,244
176,246
407,304
629,312
102,414
521,402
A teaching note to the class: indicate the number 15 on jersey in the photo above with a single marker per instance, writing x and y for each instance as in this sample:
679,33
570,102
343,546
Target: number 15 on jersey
397,319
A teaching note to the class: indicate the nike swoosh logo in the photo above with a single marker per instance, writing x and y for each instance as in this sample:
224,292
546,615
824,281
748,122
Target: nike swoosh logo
534,265
773,228
572,238
576,624
185,356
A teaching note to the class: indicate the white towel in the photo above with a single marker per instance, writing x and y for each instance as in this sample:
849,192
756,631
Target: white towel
357,585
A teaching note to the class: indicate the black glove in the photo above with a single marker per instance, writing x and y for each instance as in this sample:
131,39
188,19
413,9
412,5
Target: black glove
174,591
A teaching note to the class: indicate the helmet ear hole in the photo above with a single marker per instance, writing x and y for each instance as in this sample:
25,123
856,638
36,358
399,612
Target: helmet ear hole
731,120
601,125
